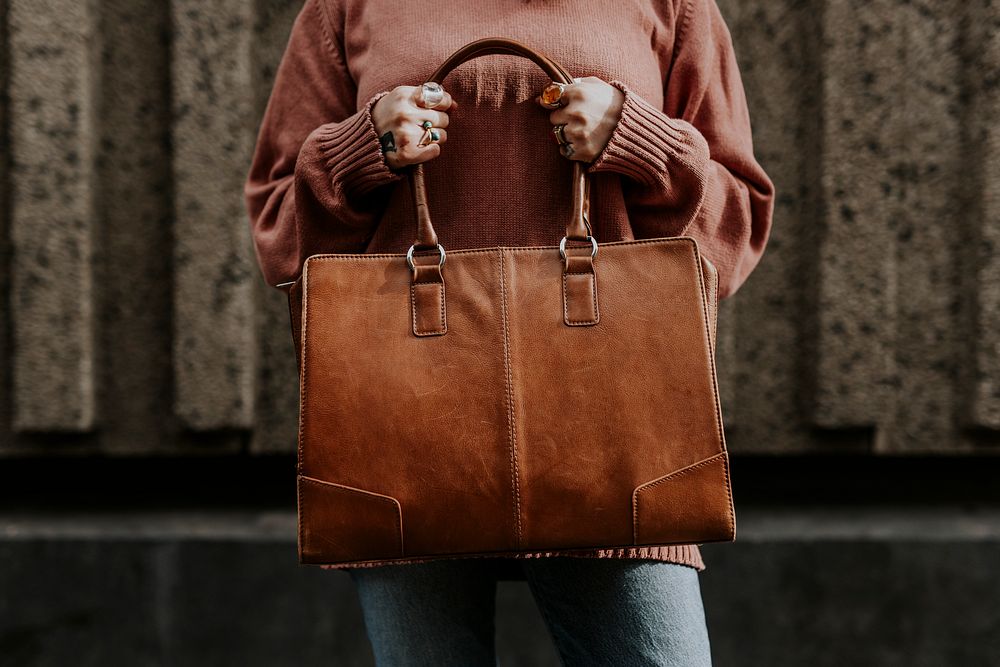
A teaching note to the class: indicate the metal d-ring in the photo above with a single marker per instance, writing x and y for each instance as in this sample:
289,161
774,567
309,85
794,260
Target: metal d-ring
593,244
409,256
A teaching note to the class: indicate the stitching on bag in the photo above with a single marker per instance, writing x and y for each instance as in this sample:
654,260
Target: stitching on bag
396,507
330,257
729,497
514,477
300,463
443,323
413,308
666,478
444,319
597,314
696,259
298,515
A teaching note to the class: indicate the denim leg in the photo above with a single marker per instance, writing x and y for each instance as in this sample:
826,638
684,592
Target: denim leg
621,612
436,614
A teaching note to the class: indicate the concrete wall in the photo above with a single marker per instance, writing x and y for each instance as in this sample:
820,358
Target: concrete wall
134,320
223,589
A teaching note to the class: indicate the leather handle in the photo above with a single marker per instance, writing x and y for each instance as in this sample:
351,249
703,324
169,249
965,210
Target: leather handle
578,227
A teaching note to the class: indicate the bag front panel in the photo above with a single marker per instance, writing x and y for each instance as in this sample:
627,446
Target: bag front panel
511,431
420,420
602,410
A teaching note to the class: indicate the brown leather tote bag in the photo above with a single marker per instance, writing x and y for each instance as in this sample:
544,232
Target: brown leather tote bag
508,399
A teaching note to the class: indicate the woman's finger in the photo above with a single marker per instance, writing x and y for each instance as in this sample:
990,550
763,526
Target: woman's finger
437,118
446,103
409,150
562,116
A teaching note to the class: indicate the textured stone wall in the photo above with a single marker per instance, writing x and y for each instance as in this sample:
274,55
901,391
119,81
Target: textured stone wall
133,319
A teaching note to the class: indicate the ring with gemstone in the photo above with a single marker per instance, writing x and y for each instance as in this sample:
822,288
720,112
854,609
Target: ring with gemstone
558,133
567,150
430,134
431,94
551,96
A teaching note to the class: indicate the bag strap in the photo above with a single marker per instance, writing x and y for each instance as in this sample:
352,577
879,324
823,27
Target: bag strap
578,227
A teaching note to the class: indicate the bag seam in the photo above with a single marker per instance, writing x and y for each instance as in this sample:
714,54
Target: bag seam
443,326
597,313
511,423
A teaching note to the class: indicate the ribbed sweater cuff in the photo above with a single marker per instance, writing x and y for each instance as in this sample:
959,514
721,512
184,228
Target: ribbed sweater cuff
680,554
647,144
351,151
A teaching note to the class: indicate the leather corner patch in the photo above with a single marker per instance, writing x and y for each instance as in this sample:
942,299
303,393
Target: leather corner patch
690,505
339,523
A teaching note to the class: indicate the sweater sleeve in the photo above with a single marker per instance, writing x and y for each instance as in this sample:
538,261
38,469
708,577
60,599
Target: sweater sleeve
690,166
317,169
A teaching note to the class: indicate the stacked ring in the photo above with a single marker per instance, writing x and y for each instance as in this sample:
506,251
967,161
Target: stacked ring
557,132
565,147
430,134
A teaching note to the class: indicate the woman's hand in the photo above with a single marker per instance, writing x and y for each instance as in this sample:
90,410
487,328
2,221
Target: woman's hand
401,114
590,112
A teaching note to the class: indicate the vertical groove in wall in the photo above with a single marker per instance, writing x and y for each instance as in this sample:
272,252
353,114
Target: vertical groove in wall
863,83
53,46
776,47
984,338
214,325
276,420
924,158
5,323
133,263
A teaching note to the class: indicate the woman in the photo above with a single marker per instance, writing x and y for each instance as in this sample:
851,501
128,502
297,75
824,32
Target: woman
657,113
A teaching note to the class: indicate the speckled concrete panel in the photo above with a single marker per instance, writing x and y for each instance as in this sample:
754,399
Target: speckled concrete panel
272,24
5,350
133,258
277,380
875,311
52,51
984,81
214,274
863,183
763,326
925,162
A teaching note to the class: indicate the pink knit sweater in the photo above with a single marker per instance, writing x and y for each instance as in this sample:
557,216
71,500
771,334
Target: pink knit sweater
680,160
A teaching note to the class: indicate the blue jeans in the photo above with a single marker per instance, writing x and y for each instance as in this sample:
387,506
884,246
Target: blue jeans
603,612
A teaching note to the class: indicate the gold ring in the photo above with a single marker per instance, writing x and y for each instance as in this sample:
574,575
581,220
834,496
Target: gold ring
430,134
551,96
